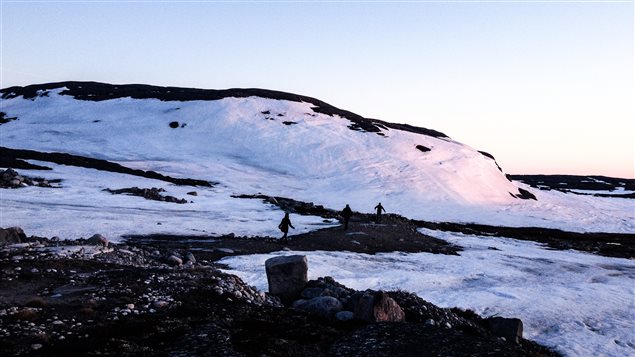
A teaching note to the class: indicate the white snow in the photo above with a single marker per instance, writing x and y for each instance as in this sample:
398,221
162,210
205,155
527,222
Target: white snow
578,303
229,141
80,209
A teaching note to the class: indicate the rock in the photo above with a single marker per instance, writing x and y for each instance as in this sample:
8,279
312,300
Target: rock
510,329
189,257
344,315
11,235
430,322
174,260
325,306
378,307
98,239
287,276
160,304
310,293
192,193
225,250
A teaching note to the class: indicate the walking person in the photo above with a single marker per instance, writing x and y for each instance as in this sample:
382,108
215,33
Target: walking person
284,226
346,215
379,208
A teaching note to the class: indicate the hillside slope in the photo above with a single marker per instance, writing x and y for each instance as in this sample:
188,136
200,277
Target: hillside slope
250,141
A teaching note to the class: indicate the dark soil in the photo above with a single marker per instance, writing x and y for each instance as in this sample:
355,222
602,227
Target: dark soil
127,302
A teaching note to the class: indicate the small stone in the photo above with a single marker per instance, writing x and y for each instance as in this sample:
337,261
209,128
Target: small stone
344,315
160,304
36,346
130,306
430,322
174,260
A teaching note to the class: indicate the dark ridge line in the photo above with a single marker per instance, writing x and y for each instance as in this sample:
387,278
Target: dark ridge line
600,243
91,163
96,91
568,182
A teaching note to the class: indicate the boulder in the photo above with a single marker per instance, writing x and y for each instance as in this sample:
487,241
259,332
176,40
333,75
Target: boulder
378,307
174,260
310,293
325,306
287,276
11,235
344,315
98,239
189,257
511,329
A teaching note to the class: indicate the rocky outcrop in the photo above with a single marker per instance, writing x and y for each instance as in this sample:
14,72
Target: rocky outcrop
93,163
11,235
10,178
377,306
287,276
153,193
98,239
510,329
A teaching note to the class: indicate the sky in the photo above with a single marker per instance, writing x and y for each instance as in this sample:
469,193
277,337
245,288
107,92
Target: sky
546,87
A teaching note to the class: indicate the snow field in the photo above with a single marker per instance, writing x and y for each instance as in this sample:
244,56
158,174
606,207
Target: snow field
578,303
318,159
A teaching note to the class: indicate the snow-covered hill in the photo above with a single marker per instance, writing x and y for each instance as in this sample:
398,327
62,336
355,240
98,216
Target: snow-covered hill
251,141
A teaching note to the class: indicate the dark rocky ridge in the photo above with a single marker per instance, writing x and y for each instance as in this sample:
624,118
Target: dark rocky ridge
95,91
620,245
567,183
18,155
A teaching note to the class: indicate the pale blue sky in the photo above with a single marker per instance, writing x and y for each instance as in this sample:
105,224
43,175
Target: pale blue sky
546,87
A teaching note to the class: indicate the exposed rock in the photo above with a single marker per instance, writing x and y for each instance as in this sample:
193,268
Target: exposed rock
344,315
386,309
11,235
153,193
325,306
189,257
98,239
510,329
526,195
310,293
422,148
174,260
10,178
287,276
378,306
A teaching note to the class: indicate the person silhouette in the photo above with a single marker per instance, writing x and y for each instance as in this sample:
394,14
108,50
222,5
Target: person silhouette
284,226
379,208
346,215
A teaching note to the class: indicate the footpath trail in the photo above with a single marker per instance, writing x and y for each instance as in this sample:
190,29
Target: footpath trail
363,236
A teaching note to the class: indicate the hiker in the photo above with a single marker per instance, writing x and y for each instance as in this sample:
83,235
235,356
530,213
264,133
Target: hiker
379,208
284,226
346,215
